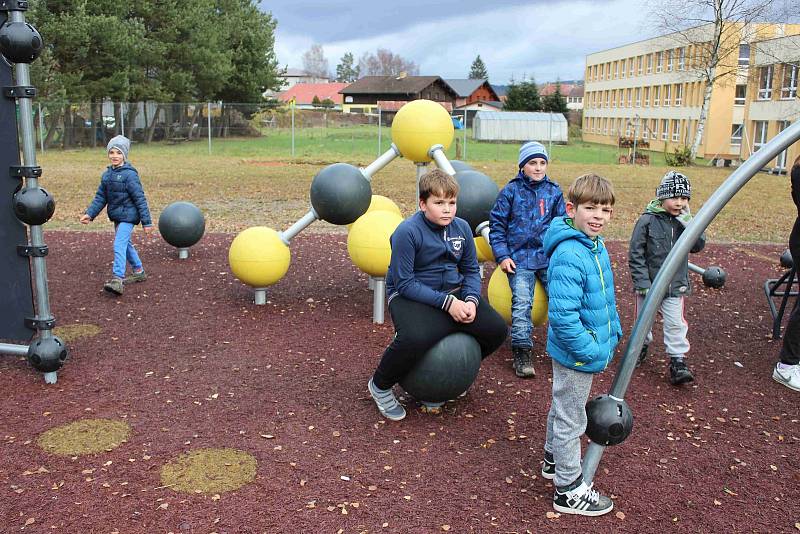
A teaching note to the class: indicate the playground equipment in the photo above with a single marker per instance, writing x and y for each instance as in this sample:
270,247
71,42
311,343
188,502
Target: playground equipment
446,371
660,284
459,166
25,315
713,276
259,257
782,288
609,420
181,224
499,294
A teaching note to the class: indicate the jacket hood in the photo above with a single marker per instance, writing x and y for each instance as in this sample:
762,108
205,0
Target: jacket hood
654,206
562,229
124,166
530,183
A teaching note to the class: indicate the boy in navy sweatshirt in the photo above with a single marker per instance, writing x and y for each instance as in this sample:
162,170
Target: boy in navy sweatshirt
433,287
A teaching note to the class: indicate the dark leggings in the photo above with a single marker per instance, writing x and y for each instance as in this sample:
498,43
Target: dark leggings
790,351
418,327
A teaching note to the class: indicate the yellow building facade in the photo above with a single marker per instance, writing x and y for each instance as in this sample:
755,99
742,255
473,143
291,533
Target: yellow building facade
653,91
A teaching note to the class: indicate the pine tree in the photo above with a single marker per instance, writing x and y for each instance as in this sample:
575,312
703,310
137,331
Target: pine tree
477,70
523,96
555,102
346,72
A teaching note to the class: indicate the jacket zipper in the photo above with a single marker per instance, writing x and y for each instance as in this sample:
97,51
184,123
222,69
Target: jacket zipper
605,300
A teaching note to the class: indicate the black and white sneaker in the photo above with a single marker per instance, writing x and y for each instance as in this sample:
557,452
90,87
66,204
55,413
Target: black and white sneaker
548,466
679,373
582,500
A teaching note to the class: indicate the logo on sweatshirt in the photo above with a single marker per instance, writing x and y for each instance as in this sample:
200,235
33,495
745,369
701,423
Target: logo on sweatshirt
457,245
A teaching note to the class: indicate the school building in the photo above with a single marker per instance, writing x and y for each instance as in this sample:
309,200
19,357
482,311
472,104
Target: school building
652,91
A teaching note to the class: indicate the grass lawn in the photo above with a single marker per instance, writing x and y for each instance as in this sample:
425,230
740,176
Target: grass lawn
248,182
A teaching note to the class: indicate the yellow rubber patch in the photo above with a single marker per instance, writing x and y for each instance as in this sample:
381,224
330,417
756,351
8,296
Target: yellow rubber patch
71,332
87,436
209,471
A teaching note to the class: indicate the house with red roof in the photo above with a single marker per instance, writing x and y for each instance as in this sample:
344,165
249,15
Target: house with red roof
304,93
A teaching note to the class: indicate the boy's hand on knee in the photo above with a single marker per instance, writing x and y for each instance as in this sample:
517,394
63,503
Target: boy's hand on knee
85,219
472,311
508,266
459,311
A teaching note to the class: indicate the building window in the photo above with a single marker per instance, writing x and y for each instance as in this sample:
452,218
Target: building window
605,126
608,99
744,55
630,96
667,95
646,97
669,60
654,128
765,83
759,134
616,69
638,100
682,58
676,129
656,96
659,61
630,67
780,162
664,129
624,68
741,94
645,134
789,87
678,94
736,136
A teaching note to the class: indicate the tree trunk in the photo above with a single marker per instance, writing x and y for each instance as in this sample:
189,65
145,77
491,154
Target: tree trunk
55,118
701,121
195,117
69,133
151,128
130,118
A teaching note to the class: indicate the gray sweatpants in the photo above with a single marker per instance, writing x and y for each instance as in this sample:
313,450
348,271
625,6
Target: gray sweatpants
566,421
675,325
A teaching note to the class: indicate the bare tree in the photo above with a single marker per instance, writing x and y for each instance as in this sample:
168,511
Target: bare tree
314,62
714,30
385,63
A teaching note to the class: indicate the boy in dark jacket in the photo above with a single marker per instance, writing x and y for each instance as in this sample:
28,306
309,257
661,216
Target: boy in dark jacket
434,290
121,193
583,331
654,235
521,214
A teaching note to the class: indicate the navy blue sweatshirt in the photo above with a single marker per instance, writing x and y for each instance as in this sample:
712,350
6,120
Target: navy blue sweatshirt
430,262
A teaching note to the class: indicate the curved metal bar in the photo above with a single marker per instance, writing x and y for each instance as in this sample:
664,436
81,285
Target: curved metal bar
697,226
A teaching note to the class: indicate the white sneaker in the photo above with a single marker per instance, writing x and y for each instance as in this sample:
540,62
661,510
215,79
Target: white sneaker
583,500
788,376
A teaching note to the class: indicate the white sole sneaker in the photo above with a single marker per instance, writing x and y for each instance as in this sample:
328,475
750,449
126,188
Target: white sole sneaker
789,378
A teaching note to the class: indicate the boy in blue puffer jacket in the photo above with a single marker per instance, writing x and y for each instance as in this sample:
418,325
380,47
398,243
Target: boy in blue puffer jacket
584,329
521,214
121,192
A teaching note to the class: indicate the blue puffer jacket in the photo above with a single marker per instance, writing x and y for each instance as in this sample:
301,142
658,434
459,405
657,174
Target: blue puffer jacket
121,190
521,215
583,323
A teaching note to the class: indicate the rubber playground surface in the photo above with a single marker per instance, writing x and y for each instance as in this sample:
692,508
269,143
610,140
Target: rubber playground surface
185,408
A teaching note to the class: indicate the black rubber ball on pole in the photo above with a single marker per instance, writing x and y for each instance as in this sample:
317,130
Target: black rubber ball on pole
20,42
609,420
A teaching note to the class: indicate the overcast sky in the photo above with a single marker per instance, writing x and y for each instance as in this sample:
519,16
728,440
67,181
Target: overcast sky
541,39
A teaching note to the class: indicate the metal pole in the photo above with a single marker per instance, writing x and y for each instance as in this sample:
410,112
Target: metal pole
635,137
465,135
658,288
292,106
379,130
122,106
382,161
437,153
696,269
297,227
550,135
41,127
208,112
378,297
422,167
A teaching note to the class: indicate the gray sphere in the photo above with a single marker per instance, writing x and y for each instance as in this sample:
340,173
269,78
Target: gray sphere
608,420
459,166
714,277
33,205
181,224
47,355
476,195
787,262
340,193
20,42
446,371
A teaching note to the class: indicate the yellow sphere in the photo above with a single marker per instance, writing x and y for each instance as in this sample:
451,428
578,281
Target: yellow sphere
484,250
418,126
258,257
499,293
380,203
368,241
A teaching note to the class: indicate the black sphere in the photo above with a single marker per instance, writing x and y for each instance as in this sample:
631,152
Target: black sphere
20,42
33,205
609,421
340,193
459,166
714,277
181,224
787,262
446,370
476,195
47,355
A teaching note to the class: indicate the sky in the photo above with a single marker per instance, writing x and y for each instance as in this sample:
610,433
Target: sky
540,39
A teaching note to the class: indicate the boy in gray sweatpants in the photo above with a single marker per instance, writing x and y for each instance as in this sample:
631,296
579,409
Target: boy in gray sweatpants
654,235
583,331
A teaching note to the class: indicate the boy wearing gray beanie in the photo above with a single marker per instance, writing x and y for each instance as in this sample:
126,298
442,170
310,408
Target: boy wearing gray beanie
521,214
121,193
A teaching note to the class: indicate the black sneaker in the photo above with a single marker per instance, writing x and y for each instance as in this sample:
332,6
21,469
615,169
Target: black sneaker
679,373
523,362
642,355
582,500
548,466
114,286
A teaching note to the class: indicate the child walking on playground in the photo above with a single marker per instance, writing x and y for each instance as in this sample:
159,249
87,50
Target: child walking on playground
121,193
583,331
521,214
654,235
434,289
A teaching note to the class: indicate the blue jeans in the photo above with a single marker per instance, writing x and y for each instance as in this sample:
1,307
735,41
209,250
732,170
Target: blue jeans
124,252
522,284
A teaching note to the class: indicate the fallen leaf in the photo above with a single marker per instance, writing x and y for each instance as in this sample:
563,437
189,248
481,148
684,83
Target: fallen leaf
29,521
620,515
446,528
552,515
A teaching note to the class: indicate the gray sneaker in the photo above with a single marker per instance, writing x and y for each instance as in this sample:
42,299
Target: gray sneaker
114,286
141,276
788,377
387,403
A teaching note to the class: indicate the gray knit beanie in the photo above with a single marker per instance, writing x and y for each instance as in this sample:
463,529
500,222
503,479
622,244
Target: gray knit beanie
121,143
